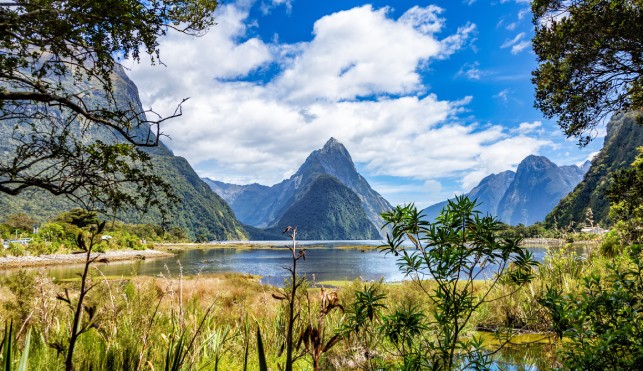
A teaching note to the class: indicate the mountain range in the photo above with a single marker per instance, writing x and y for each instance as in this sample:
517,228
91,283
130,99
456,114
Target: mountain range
525,196
200,212
326,198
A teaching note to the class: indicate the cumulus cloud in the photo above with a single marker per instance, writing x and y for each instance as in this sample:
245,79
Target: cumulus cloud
502,155
426,20
357,79
362,52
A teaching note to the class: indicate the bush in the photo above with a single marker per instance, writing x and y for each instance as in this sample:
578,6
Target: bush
38,247
611,245
16,249
604,322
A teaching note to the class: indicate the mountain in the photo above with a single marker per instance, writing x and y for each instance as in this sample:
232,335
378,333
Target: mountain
327,210
523,197
201,213
264,207
488,193
536,189
624,135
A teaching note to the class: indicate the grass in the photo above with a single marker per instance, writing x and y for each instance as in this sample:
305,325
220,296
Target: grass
140,318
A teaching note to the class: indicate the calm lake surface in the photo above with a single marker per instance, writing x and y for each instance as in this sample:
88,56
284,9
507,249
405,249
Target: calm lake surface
325,261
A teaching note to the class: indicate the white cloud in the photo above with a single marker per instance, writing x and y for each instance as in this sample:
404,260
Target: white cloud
503,95
513,41
432,185
471,71
267,6
517,44
528,127
425,20
362,52
244,131
515,49
465,34
193,63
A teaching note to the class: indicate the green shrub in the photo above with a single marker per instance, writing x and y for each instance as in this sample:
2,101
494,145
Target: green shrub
611,245
450,255
604,322
38,247
16,249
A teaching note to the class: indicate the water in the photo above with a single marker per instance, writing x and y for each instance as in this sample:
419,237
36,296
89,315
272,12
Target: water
325,261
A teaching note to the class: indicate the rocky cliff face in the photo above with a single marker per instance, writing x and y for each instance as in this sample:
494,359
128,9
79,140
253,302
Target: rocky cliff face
488,194
263,207
536,189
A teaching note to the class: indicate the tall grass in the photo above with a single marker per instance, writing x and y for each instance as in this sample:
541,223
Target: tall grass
145,323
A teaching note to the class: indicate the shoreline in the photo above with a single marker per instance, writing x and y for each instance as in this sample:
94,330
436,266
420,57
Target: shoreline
9,262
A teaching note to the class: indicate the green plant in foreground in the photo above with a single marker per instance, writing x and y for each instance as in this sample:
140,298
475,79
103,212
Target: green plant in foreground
459,248
7,350
604,322
290,296
363,318
79,326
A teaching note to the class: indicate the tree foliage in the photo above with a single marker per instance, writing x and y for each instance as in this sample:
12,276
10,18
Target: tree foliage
59,61
460,247
625,194
590,55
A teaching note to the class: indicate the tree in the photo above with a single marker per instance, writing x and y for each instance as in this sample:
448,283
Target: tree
590,55
20,221
59,67
625,194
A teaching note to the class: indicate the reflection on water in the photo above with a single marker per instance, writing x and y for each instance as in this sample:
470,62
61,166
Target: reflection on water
537,356
324,261
321,264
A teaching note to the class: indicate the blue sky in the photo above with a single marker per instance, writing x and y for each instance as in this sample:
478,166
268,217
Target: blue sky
428,96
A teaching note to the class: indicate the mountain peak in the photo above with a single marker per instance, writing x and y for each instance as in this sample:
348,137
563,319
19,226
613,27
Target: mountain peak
535,162
332,141
333,145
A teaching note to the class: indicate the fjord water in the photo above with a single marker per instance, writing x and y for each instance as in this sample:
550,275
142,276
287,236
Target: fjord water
325,261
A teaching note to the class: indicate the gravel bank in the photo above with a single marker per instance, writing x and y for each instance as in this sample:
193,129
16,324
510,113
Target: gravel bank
59,259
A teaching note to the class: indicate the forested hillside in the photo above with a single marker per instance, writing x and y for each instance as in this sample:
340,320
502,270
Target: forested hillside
200,212
624,135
